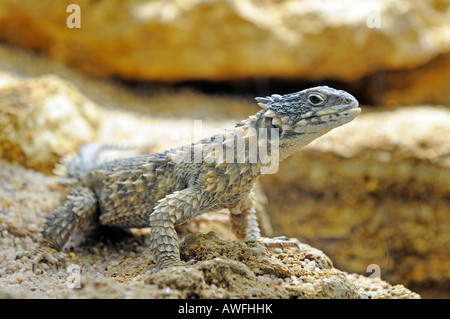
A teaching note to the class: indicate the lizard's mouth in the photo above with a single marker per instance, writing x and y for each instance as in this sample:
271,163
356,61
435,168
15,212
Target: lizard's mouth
322,120
352,109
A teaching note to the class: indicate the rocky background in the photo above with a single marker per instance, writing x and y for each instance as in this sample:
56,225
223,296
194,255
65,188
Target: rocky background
374,192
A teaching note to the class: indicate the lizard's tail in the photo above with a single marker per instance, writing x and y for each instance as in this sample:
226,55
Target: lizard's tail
94,154
88,158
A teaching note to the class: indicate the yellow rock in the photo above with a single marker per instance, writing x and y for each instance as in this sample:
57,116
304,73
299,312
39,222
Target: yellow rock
227,39
43,119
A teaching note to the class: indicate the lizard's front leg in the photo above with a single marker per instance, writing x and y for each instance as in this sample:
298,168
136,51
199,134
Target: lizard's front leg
245,225
243,218
175,208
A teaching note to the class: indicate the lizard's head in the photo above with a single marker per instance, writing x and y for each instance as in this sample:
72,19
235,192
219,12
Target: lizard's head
312,111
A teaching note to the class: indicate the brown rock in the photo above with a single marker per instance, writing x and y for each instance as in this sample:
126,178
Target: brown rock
427,83
247,270
224,269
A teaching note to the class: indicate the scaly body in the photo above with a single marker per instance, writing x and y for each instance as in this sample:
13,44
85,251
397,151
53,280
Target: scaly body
164,189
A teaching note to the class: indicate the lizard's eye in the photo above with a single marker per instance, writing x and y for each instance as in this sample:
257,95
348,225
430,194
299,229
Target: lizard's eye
315,99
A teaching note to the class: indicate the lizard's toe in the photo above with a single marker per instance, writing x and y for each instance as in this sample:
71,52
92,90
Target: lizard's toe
51,255
281,242
171,264
161,266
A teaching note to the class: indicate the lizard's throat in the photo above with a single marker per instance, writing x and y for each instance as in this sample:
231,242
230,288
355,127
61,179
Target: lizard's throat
291,144
259,143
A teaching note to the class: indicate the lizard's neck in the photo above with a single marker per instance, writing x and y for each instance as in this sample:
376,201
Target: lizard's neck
253,142
264,144
290,146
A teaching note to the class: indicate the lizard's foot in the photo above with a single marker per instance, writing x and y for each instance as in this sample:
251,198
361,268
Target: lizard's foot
281,242
51,255
42,253
171,261
167,263
163,260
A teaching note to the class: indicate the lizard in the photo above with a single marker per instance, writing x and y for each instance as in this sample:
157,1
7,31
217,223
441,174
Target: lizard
168,188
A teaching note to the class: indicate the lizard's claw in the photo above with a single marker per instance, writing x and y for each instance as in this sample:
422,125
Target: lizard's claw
161,266
51,255
45,253
278,242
